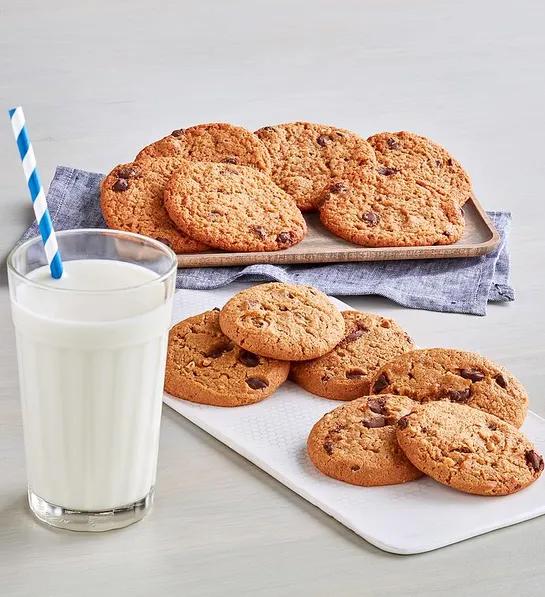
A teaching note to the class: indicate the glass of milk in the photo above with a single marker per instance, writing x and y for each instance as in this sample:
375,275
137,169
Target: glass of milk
91,351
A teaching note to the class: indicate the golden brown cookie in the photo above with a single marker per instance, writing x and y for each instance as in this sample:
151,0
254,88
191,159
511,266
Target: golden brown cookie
356,442
345,373
405,155
455,375
290,322
131,198
401,215
205,366
215,142
468,449
234,208
307,157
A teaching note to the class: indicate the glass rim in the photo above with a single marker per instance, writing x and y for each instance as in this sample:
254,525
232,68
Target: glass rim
167,251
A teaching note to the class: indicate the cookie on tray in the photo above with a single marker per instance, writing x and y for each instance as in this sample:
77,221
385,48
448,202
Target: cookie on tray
235,208
402,215
345,373
215,142
405,155
468,449
290,322
131,198
307,157
457,376
205,366
356,443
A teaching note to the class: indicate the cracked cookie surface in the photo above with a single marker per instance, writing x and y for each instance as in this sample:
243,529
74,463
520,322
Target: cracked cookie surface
307,157
234,208
131,198
468,449
205,366
405,155
390,215
457,376
214,142
290,322
345,373
356,442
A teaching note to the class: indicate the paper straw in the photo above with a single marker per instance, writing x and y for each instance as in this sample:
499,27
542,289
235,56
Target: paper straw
37,194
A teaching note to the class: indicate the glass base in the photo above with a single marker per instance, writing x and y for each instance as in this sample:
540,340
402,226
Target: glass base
76,520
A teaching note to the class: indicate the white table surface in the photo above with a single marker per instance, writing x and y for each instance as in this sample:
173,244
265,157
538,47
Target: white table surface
100,79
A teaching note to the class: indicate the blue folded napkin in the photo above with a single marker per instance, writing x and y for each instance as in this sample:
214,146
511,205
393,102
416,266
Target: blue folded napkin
448,285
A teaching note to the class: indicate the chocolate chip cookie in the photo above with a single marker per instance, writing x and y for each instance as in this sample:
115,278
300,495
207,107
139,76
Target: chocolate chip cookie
345,373
405,155
235,208
131,198
290,322
356,442
401,215
468,449
215,142
457,376
307,158
205,366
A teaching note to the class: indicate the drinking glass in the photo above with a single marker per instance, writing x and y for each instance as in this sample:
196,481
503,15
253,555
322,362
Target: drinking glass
91,351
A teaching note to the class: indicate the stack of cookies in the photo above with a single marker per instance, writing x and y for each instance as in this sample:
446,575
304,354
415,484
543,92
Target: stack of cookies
445,413
221,186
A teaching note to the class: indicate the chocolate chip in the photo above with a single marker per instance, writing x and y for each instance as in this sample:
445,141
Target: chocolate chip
462,449
267,128
377,405
338,187
370,218
128,172
231,160
163,240
403,423
374,423
219,349
449,162
492,426
260,231
355,373
500,380
284,238
120,184
328,447
355,468
323,140
178,133
457,395
216,309
534,460
472,374
248,358
354,335
392,143
386,171
256,383
381,383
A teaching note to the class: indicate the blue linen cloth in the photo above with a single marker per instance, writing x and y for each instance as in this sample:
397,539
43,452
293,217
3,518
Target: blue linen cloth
448,285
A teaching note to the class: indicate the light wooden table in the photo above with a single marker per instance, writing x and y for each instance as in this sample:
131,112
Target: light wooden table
102,78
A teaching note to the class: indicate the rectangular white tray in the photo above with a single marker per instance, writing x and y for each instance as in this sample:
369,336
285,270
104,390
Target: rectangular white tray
405,519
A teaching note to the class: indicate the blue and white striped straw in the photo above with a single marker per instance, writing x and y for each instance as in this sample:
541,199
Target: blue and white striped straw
37,194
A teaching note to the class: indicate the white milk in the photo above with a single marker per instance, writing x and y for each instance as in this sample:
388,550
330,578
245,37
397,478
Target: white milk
91,370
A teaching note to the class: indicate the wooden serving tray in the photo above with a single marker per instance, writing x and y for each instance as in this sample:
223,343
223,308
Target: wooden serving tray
320,246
